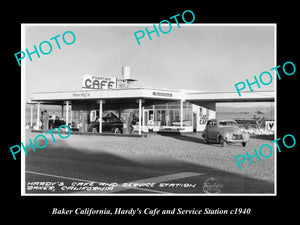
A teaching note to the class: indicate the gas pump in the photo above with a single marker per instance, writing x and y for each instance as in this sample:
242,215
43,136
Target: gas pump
126,124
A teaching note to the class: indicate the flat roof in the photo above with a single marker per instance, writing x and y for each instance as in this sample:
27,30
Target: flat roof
134,93
254,96
153,94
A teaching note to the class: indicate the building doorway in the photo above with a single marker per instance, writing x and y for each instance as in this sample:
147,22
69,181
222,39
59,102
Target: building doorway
148,116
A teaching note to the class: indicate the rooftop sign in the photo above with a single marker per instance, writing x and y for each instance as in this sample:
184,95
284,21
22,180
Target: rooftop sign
98,82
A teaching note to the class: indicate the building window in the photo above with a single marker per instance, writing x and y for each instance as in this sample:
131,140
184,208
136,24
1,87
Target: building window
187,117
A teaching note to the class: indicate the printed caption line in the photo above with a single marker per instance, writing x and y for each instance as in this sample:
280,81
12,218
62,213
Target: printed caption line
159,179
120,187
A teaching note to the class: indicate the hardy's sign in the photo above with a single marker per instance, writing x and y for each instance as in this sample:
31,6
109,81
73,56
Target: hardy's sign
99,82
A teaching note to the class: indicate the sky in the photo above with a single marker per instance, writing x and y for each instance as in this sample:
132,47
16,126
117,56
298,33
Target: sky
194,57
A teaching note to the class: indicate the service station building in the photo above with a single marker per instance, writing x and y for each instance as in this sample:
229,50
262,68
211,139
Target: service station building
151,109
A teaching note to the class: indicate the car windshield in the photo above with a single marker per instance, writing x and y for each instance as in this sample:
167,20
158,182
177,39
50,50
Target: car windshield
228,123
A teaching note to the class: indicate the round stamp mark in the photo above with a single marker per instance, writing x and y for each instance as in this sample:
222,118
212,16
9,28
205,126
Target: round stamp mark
212,186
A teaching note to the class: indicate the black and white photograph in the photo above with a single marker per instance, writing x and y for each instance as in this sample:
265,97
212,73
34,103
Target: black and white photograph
149,112
110,113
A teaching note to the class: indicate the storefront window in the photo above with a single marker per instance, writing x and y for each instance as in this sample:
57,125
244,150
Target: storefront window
161,106
187,117
173,105
165,114
80,119
187,105
174,117
169,117
161,117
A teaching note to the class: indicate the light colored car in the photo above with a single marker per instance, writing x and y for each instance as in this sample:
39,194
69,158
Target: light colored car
224,131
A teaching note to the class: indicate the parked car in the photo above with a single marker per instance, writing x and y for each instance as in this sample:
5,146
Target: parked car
57,122
110,123
224,131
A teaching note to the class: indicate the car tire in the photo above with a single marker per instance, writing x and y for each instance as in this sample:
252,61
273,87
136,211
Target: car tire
244,144
94,130
204,138
117,131
206,141
221,141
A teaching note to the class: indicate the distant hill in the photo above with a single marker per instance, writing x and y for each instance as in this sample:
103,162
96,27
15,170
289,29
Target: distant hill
228,112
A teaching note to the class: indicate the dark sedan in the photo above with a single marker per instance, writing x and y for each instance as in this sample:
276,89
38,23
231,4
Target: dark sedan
109,124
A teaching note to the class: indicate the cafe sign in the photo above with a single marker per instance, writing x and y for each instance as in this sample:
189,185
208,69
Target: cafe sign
98,82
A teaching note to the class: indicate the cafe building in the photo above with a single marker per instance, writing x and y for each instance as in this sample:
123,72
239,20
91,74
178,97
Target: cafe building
143,109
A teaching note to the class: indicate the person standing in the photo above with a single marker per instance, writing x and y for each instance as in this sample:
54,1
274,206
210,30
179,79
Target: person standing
130,123
46,120
42,121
